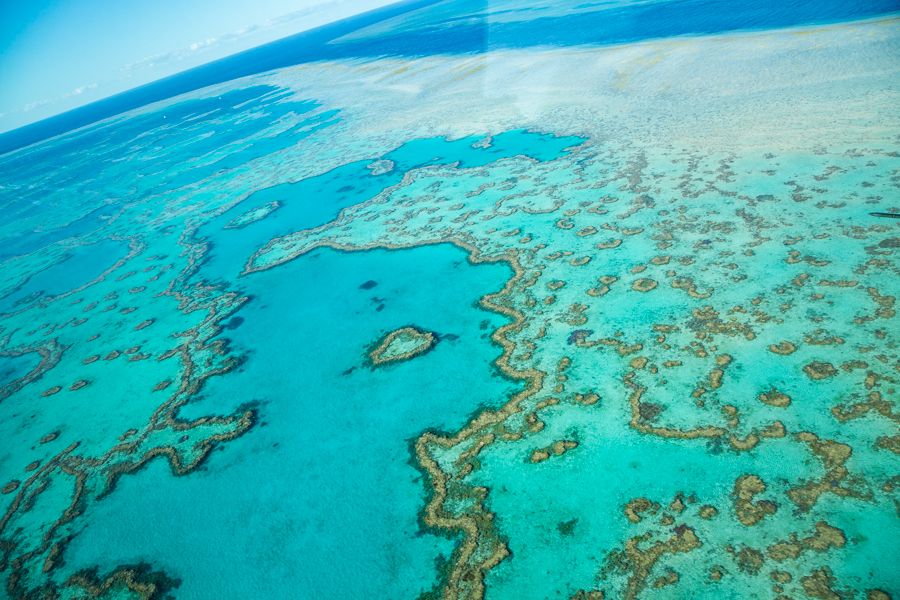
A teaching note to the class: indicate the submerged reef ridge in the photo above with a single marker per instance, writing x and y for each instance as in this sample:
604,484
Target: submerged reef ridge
565,321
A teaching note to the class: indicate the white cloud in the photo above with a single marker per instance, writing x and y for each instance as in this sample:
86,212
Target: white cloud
195,53
40,103
80,90
312,16
207,42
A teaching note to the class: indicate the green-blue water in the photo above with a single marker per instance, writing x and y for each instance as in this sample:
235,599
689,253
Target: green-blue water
332,434
657,298
323,494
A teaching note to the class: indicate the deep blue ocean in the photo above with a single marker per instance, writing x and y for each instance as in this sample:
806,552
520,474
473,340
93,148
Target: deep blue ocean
606,25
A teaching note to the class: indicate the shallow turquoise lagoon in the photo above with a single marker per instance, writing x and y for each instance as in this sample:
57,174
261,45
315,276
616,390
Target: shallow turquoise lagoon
522,301
15,367
322,496
124,338
315,201
77,267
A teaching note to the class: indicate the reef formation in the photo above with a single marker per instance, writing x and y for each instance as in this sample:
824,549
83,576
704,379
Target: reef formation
692,356
402,344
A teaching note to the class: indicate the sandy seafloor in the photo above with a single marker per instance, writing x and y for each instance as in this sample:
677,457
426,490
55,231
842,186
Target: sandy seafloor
667,346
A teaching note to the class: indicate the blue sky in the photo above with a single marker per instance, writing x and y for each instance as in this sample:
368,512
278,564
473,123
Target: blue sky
56,55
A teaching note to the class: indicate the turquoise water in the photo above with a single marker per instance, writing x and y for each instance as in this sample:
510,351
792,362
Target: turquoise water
315,411
315,201
323,494
15,367
430,27
663,306
78,267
